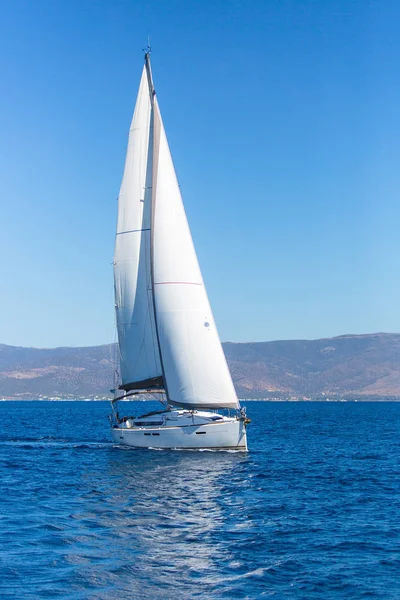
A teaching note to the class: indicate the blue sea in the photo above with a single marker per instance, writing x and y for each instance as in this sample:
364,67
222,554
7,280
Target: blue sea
312,511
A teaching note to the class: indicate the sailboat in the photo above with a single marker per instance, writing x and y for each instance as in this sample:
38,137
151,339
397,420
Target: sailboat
167,339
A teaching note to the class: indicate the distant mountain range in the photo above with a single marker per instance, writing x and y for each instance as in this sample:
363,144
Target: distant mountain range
363,366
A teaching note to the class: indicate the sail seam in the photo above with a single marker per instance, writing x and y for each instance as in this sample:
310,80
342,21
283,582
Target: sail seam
176,283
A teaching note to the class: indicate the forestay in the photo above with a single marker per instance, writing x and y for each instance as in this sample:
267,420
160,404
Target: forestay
139,353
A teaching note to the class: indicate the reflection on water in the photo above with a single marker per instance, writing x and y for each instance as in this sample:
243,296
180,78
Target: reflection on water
167,508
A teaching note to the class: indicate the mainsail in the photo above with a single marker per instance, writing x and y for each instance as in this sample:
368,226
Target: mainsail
165,324
139,352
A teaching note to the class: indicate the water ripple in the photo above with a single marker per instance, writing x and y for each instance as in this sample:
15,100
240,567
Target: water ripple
310,513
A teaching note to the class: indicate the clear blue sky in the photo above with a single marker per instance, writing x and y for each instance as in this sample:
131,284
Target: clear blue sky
283,121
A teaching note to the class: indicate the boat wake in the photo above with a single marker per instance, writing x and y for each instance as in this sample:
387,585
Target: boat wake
126,448
43,443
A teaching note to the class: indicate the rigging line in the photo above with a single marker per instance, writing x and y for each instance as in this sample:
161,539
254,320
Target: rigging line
156,134
150,307
149,196
132,231
147,242
113,354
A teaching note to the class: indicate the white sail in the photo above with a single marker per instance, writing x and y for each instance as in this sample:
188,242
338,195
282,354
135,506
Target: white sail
195,369
139,354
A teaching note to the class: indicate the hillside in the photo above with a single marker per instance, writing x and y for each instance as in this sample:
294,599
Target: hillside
349,365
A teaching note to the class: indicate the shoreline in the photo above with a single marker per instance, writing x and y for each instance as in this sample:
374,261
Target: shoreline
341,400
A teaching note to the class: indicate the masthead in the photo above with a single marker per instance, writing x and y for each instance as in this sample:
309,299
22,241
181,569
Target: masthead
147,52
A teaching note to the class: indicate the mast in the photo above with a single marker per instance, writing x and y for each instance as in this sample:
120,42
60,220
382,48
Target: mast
147,63
139,349
152,134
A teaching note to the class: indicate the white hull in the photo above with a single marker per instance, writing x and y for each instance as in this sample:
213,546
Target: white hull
224,434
